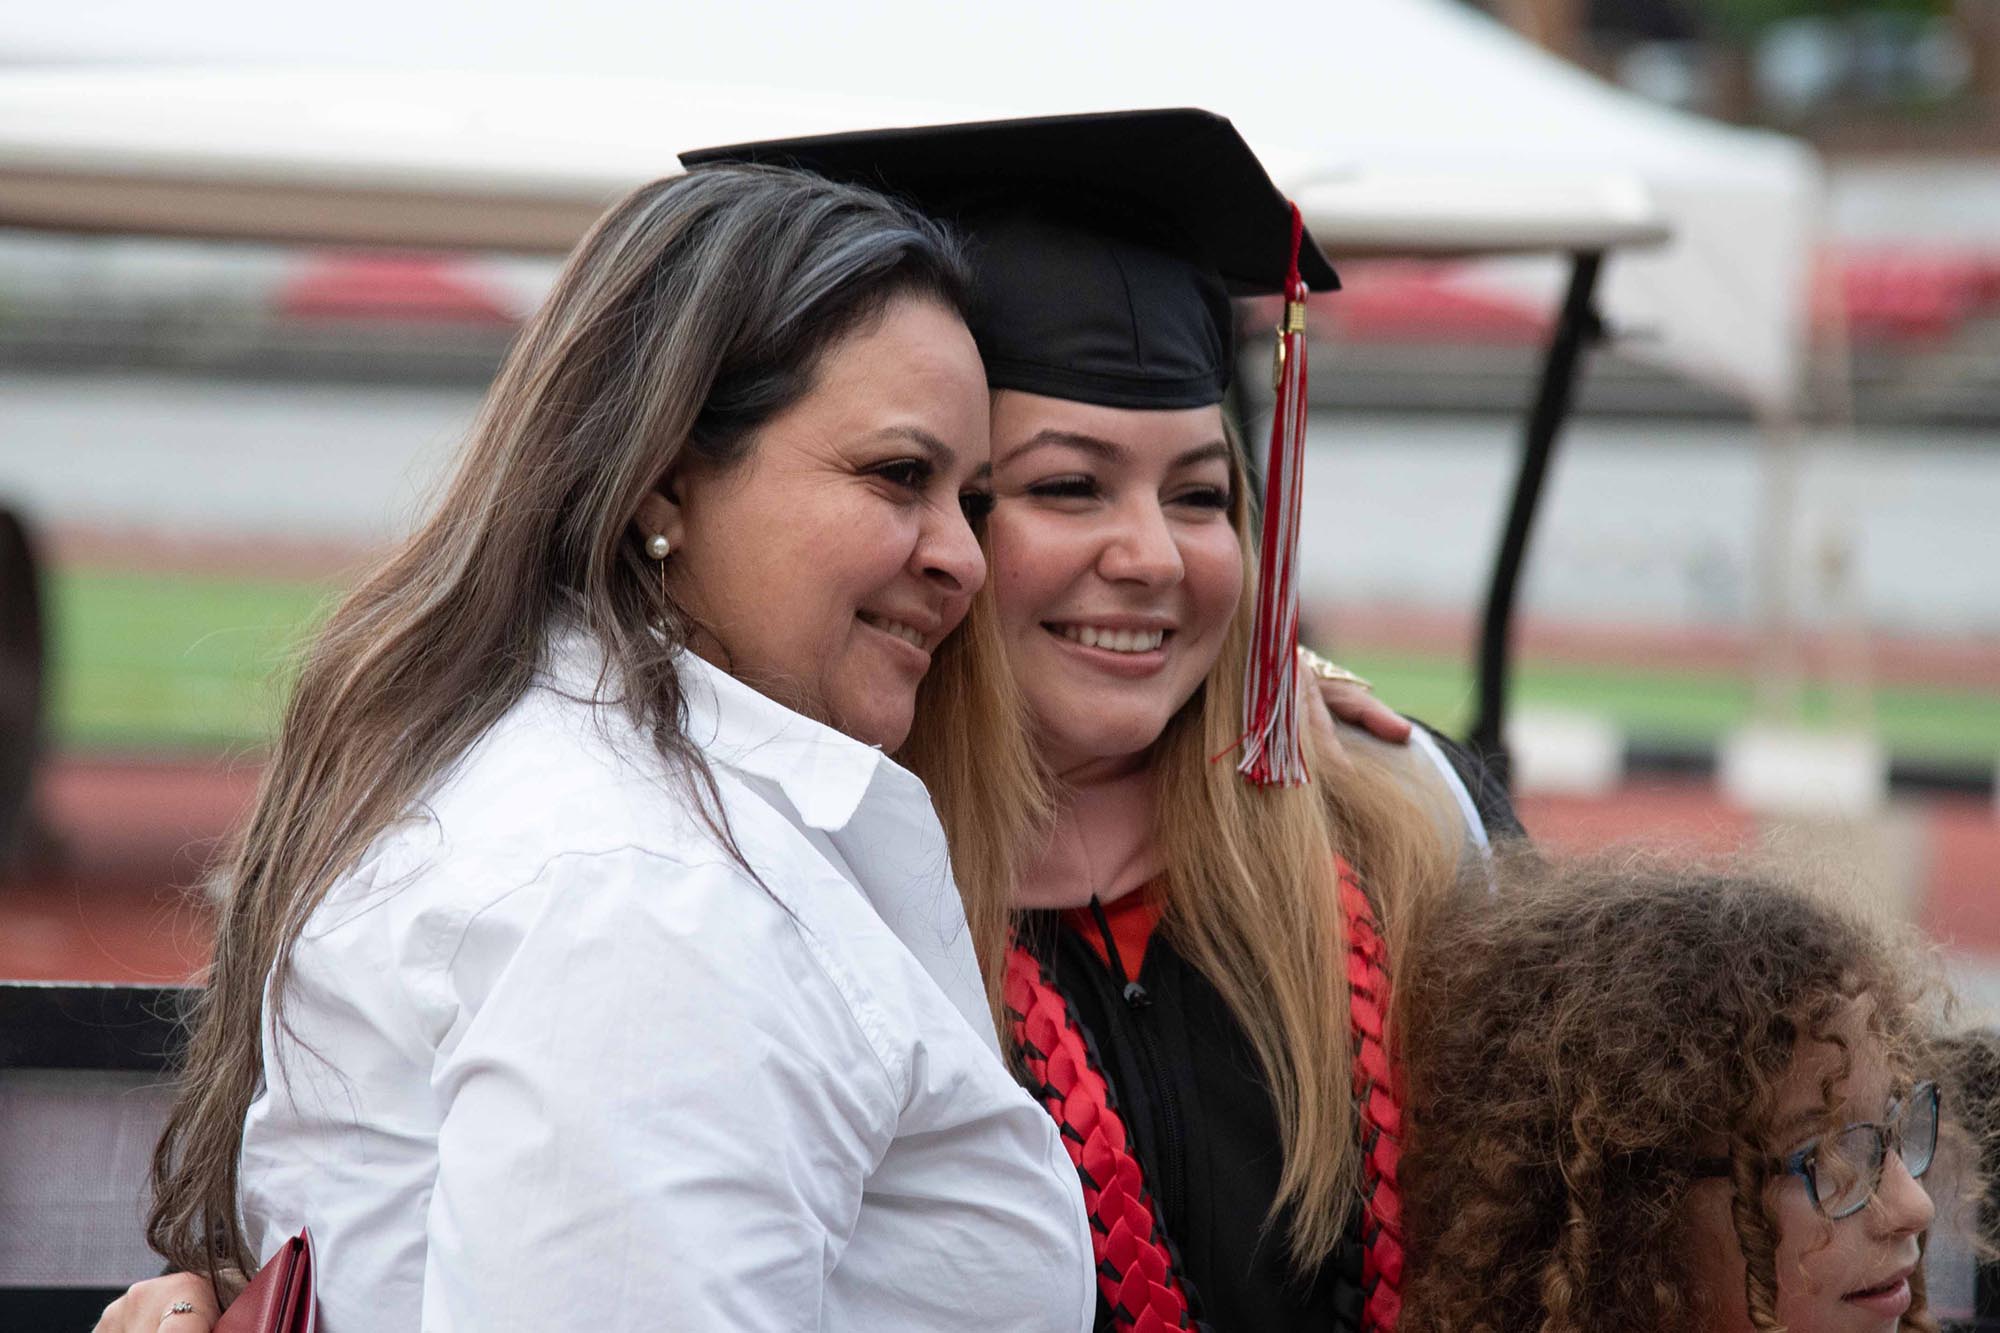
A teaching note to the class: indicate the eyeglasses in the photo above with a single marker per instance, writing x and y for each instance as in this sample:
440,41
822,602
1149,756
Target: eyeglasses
1843,1172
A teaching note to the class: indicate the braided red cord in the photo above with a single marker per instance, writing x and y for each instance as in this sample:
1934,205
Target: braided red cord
1378,1094
1135,1270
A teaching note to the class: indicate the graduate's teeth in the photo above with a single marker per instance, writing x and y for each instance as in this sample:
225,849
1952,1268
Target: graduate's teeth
895,627
1114,640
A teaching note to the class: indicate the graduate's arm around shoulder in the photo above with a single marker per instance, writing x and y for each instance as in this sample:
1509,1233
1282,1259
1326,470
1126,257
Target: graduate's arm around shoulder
1465,804
1347,703
1479,782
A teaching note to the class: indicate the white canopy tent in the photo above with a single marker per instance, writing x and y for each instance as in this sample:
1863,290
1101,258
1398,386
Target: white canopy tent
1361,97
1435,132
526,161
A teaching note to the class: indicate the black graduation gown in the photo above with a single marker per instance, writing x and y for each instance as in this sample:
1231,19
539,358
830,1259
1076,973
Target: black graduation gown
1186,1081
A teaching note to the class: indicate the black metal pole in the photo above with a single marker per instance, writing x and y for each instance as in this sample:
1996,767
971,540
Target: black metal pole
1576,328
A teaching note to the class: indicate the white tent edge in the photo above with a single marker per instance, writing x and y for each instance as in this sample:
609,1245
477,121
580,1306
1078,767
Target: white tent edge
447,159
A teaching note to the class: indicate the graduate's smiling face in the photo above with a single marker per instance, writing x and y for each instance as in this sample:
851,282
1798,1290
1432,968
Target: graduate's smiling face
826,567
1116,569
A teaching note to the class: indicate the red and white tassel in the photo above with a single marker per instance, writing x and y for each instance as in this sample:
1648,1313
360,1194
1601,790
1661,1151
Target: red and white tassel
1273,752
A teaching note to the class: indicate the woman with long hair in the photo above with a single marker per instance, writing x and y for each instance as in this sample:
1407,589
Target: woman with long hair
585,962
1658,1096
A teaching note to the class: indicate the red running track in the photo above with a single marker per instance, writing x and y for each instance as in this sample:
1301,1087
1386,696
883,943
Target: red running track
124,901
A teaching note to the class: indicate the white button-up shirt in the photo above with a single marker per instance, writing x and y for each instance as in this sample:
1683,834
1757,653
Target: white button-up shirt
554,1061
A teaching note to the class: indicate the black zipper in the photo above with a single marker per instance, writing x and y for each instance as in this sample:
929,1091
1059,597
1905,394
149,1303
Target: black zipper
1151,1066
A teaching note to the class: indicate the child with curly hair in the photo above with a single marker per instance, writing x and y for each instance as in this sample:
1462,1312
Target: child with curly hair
1658,1097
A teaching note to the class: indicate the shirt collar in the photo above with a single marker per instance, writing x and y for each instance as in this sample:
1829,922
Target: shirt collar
823,773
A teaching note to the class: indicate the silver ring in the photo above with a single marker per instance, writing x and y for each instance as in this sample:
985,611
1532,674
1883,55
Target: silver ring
178,1307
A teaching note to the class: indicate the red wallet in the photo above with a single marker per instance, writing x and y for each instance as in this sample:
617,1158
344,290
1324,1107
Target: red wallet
280,1298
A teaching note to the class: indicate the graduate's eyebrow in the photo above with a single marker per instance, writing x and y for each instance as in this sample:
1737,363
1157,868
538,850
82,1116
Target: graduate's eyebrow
1105,450
1100,449
1214,449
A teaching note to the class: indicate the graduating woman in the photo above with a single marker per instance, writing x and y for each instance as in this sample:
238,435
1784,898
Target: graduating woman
1199,963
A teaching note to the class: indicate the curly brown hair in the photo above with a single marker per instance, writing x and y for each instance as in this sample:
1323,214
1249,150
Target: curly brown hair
1576,1037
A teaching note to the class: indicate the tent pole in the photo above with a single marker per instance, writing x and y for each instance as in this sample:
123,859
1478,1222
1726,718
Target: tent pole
1577,328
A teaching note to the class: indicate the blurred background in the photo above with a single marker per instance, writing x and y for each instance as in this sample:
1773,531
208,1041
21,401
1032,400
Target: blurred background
1759,605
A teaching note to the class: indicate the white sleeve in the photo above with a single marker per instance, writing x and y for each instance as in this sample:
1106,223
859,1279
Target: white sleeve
659,1109
1468,810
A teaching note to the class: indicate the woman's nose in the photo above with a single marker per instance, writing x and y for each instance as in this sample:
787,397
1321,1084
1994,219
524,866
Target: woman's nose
1142,549
949,553
1901,1202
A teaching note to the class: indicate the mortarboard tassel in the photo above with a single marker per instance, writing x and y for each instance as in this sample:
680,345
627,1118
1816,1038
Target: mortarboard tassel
1273,754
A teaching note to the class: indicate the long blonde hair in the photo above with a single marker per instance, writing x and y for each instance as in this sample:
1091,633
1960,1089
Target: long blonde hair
695,311
1252,902
1251,895
969,744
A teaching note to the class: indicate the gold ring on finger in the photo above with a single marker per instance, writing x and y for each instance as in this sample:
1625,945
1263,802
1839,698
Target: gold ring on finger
1331,671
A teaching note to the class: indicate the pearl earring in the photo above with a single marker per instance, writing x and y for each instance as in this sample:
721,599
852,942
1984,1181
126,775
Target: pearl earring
658,546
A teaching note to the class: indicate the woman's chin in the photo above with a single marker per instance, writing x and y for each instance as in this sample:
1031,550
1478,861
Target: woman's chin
1099,742
883,723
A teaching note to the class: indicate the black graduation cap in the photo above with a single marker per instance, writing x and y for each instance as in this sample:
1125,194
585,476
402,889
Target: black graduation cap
1107,246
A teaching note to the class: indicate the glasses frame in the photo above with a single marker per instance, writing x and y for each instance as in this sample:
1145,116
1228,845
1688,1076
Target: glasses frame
1804,1162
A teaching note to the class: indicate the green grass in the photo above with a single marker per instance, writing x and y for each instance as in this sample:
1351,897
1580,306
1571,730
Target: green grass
186,661
174,661
1683,706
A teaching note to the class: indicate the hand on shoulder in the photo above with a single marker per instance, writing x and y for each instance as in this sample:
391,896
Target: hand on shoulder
1345,697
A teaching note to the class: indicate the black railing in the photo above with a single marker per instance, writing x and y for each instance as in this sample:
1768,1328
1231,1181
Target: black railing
81,1075
135,1031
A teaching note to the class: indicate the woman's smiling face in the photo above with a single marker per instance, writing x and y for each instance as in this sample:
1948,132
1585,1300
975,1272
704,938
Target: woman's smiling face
1116,569
828,566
